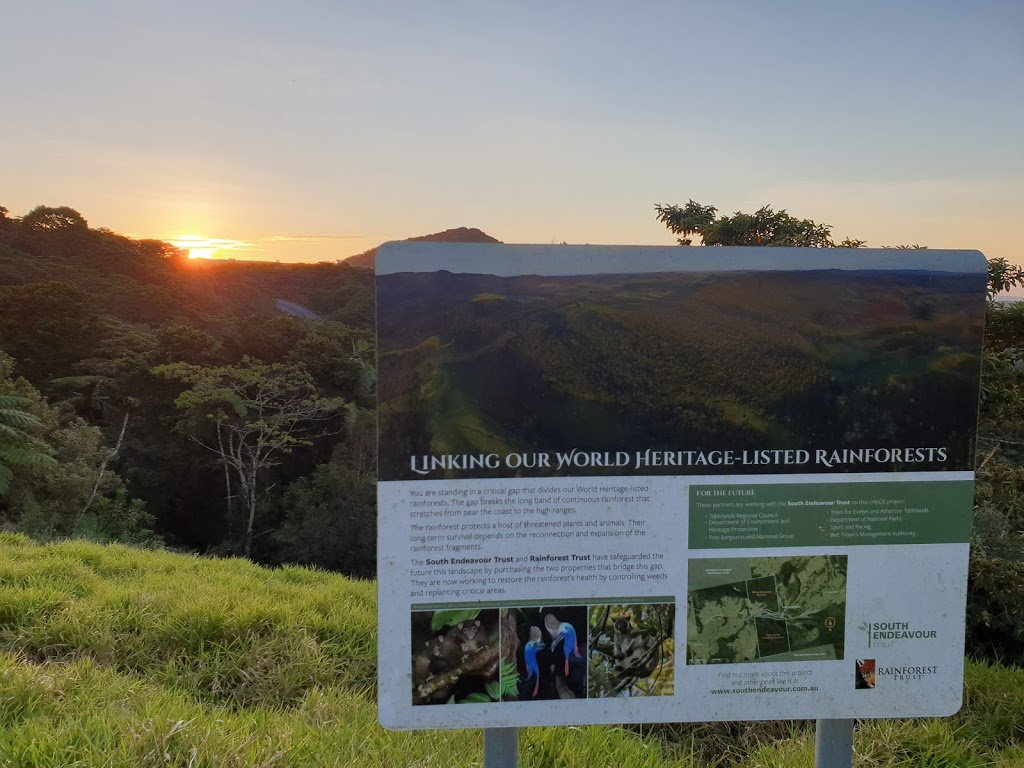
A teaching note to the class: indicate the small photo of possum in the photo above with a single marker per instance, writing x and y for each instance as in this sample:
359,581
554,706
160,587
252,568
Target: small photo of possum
632,650
454,656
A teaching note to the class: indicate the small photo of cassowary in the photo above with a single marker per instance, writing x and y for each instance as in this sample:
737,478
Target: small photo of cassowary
632,650
543,653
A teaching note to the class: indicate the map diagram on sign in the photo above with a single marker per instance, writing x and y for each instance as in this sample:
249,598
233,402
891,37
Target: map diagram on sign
742,610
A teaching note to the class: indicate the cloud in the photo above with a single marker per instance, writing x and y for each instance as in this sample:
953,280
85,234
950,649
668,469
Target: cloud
217,243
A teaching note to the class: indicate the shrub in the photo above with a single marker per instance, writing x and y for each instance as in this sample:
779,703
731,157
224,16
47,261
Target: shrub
995,610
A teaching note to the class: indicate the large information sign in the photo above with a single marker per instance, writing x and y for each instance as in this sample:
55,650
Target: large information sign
628,484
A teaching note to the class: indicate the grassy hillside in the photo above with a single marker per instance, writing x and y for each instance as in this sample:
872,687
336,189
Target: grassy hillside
117,657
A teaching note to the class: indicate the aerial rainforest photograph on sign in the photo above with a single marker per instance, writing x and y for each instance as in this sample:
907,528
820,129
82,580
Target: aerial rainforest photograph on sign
741,359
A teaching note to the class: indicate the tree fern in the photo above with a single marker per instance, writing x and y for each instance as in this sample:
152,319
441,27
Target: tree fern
28,457
11,416
9,401
17,447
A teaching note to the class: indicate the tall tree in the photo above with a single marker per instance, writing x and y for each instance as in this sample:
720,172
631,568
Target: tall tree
60,230
687,220
251,416
764,227
43,218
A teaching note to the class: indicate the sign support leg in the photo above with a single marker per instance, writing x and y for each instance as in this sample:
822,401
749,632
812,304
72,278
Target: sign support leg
501,747
833,744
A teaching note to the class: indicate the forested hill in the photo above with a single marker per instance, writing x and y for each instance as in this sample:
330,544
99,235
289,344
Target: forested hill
150,281
151,398
138,384
458,235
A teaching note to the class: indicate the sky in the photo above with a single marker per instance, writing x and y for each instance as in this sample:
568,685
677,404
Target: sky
311,131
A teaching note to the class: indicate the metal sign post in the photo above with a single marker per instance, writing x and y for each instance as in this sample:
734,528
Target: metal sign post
501,747
833,744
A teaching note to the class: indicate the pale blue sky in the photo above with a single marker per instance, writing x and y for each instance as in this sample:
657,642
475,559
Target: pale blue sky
350,123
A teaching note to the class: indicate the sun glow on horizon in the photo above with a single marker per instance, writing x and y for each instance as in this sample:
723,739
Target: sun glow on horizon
200,247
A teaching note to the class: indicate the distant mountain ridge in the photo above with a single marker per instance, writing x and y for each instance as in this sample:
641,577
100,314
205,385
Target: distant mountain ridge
457,235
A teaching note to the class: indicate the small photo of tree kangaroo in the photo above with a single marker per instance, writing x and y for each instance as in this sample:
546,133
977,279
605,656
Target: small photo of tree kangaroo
632,650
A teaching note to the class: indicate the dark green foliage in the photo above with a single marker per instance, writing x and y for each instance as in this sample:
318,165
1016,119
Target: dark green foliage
54,475
47,327
59,230
18,448
995,610
995,600
330,515
765,227
183,343
270,340
250,416
690,219
1002,275
999,511
87,314
148,281
43,219
118,518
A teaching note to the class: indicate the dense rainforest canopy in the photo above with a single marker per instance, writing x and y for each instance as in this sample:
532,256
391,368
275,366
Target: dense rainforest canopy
129,373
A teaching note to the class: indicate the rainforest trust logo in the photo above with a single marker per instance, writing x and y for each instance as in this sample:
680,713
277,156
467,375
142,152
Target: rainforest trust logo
868,673
885,634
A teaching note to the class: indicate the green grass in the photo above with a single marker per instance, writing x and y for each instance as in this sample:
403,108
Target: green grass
119,658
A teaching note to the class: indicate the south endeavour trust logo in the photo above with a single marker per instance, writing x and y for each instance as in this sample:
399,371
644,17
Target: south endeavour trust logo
885,634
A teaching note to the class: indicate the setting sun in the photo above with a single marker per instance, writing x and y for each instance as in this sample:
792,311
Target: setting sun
200,247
